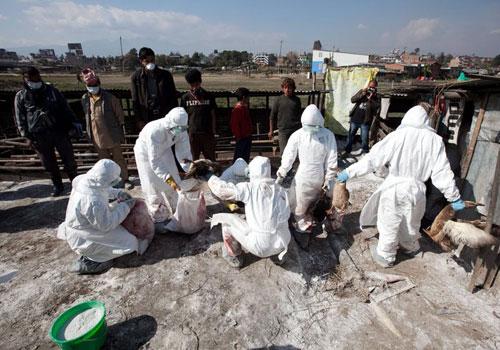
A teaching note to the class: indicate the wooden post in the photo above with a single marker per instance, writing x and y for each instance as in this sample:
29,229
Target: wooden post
473,140
314,81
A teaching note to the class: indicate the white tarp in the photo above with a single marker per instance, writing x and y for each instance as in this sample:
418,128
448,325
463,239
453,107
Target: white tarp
345,83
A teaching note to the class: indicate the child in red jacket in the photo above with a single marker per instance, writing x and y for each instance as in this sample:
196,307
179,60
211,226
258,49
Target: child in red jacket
241,125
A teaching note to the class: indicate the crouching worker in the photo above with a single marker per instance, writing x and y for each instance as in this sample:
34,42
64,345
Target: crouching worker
92,225
413,153
156,164
265,231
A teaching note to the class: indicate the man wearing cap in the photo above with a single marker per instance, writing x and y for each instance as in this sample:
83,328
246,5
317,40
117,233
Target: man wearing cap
104,118
44,118
153,90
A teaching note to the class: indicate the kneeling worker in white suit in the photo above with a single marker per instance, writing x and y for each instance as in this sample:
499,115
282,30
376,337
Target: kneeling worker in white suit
316,148
156,162
265,231
413,153
92,225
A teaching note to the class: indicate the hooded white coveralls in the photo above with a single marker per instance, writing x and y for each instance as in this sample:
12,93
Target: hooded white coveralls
413,153
155,161
265,230
92,226
317,164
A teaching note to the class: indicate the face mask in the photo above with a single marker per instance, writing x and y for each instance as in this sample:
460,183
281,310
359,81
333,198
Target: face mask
247,172
312,129
150,66
115,182
94,90
34,85
176,130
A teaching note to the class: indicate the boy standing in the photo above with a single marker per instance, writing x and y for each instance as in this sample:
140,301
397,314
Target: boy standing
200,106
241,125
286,112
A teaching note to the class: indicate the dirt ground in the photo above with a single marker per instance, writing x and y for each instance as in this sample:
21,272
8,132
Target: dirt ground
182,295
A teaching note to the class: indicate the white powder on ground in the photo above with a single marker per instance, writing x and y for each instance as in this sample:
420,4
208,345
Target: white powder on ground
80,324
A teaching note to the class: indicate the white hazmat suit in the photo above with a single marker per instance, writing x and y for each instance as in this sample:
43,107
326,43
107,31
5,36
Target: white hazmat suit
92,225
413,153
317,152
265,231
156,162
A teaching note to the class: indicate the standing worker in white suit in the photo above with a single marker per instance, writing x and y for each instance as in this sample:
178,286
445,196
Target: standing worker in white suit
316,148
92,226
413,153
156,164
265,231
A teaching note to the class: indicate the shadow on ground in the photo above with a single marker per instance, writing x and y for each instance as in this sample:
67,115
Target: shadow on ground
131,334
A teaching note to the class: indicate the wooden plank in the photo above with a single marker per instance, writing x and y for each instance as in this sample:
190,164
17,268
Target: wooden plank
472,144
485,267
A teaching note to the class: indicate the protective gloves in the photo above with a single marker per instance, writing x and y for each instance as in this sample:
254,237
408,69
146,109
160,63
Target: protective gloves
279,179
171,182
328,185
123,196
343,176
458,205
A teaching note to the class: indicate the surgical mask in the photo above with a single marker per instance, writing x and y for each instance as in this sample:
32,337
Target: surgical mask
176,130
94,90
116,182
34,85
150,66
312,129
247,172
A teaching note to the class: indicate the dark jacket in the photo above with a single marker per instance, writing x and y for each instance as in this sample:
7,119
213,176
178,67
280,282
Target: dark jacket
108,120
41,111
167,94
372,106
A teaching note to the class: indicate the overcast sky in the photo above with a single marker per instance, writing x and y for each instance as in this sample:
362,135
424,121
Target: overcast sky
457,27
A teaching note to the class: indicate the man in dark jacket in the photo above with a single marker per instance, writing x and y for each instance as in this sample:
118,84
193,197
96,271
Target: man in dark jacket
153,90
44,118
367,104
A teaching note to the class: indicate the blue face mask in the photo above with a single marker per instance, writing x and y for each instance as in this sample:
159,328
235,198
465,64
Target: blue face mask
94,90
176,130
312,129
34,85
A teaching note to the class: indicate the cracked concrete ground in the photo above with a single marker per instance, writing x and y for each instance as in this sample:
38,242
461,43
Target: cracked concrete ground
182,295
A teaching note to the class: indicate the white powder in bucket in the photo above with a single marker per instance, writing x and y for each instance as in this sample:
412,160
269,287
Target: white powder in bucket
80,324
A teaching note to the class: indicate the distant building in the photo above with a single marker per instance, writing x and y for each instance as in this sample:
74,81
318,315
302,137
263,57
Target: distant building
261,59
317,45
410,58
75,49
336,59
8,55
44,54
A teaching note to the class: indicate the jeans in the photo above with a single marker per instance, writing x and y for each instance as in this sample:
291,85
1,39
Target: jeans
353,129
243,148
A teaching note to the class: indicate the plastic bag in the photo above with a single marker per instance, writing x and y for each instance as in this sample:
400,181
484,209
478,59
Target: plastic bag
139,222
190,213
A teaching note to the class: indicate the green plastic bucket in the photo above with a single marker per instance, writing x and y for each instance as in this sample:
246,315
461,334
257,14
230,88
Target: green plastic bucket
92,340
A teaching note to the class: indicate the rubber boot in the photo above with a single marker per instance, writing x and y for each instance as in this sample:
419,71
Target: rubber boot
85,266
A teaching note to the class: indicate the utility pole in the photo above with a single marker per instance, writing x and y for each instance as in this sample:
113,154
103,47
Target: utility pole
123,58
279,57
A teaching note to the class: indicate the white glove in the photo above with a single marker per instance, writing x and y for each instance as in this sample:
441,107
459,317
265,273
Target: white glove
328,185
130,202
122,196
279,180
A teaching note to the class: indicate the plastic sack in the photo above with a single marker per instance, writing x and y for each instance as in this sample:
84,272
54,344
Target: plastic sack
190,213
138,222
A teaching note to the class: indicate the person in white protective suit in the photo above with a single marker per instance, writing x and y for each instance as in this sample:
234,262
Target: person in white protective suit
92,225
156,164
265,231
316,148
412,153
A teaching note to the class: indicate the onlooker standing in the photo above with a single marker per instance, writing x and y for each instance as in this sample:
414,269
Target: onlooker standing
104,117
366,107
44,118
241,125
153,90
200,106
286,112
